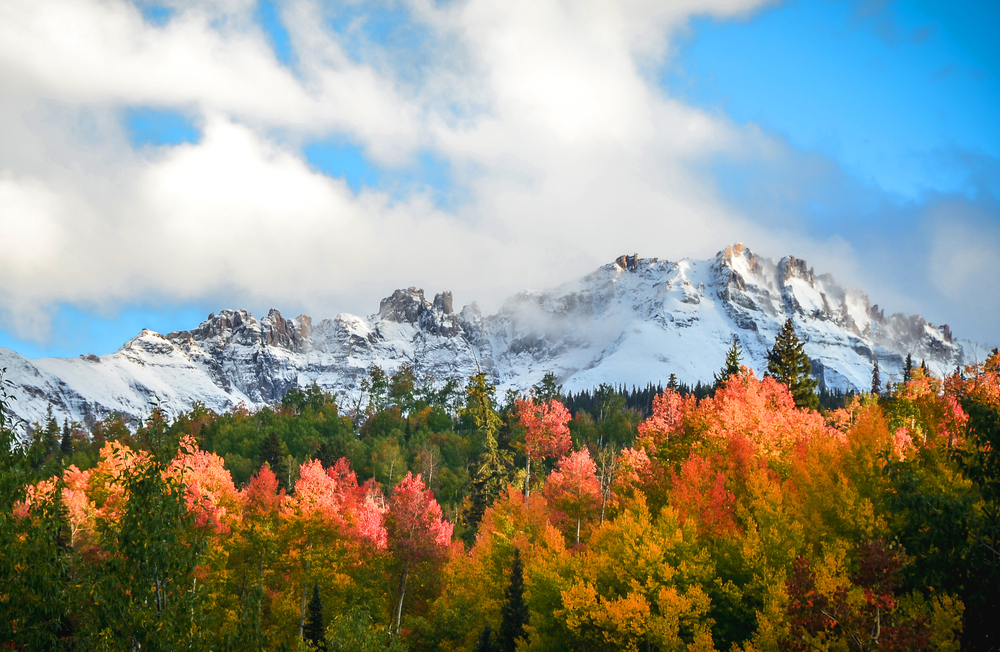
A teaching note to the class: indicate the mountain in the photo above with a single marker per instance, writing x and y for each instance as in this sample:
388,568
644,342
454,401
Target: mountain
633,321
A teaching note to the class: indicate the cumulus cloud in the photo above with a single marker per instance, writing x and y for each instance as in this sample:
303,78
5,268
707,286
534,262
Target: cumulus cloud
563,152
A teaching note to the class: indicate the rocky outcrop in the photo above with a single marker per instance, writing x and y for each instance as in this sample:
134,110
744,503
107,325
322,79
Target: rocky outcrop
660,318
628,263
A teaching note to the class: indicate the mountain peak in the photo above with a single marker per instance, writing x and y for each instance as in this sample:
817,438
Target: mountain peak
633,321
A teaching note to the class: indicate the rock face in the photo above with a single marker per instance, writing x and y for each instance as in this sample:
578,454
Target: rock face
633,321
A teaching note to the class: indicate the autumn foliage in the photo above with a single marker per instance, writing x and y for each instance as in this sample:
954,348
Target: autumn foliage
737,521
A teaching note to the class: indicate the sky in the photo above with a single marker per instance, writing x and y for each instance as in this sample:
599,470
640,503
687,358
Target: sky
163,160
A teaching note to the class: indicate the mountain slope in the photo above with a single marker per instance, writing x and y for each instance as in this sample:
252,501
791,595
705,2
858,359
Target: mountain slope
632,321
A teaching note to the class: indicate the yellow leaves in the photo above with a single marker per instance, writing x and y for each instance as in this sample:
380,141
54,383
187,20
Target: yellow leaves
640,581
946,623
679,611
629,615
580,603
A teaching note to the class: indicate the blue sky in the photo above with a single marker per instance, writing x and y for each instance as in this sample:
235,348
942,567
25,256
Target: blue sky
864,133
891,91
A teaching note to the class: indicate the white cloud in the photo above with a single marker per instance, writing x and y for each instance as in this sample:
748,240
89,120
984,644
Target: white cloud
564,149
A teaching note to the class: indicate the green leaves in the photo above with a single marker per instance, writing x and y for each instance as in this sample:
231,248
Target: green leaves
143,589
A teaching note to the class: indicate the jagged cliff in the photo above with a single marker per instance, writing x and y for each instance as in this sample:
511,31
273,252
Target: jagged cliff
632,321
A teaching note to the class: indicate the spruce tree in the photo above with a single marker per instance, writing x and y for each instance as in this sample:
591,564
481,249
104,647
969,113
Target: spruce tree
514,611
270,452
876,379
493,465
734,360
672,382
52,432
66,445
788,363
908,369
485,642
314,632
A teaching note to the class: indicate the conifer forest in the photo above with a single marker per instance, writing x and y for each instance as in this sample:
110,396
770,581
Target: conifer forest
744,515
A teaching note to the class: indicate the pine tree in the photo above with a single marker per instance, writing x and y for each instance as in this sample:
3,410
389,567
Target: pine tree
908,369
514,611
51,432
876,379
315,631
734,360
66,445
485,643
672,382
788,363
270,452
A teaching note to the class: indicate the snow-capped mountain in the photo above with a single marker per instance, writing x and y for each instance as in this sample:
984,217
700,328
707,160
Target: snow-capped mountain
633,321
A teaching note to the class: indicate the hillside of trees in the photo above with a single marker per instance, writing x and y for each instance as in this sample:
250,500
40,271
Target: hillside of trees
743,515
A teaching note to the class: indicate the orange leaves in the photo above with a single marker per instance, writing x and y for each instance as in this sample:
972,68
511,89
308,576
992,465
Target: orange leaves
209,490
764,412
981,382
573,488
34,495
80,509
261,497
699,491
669,409
548,434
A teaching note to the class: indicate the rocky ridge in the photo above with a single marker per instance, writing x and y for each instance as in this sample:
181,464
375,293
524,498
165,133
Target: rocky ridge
632,321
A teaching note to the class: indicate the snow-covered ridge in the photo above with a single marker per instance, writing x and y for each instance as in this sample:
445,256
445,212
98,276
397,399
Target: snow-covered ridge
633,321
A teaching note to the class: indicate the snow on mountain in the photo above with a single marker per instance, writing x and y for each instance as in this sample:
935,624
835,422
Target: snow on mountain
633,321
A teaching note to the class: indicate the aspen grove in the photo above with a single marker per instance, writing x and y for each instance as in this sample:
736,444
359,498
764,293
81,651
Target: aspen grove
732,521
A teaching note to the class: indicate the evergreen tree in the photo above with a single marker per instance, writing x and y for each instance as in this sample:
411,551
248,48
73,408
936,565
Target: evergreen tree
547,389
788,363
492,468
270,452
52,432
315,631
66,445
514,611
326,455
672,382
734,359
485,643
908,369
876,379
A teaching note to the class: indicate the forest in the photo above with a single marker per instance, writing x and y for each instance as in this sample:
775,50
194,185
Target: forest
747,515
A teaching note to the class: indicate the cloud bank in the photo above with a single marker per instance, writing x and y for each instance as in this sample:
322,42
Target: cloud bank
559,148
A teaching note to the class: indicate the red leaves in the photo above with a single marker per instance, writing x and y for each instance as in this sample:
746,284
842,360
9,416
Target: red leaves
668,415
548,434
416,531
261,497
573,488
332,497
832,613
